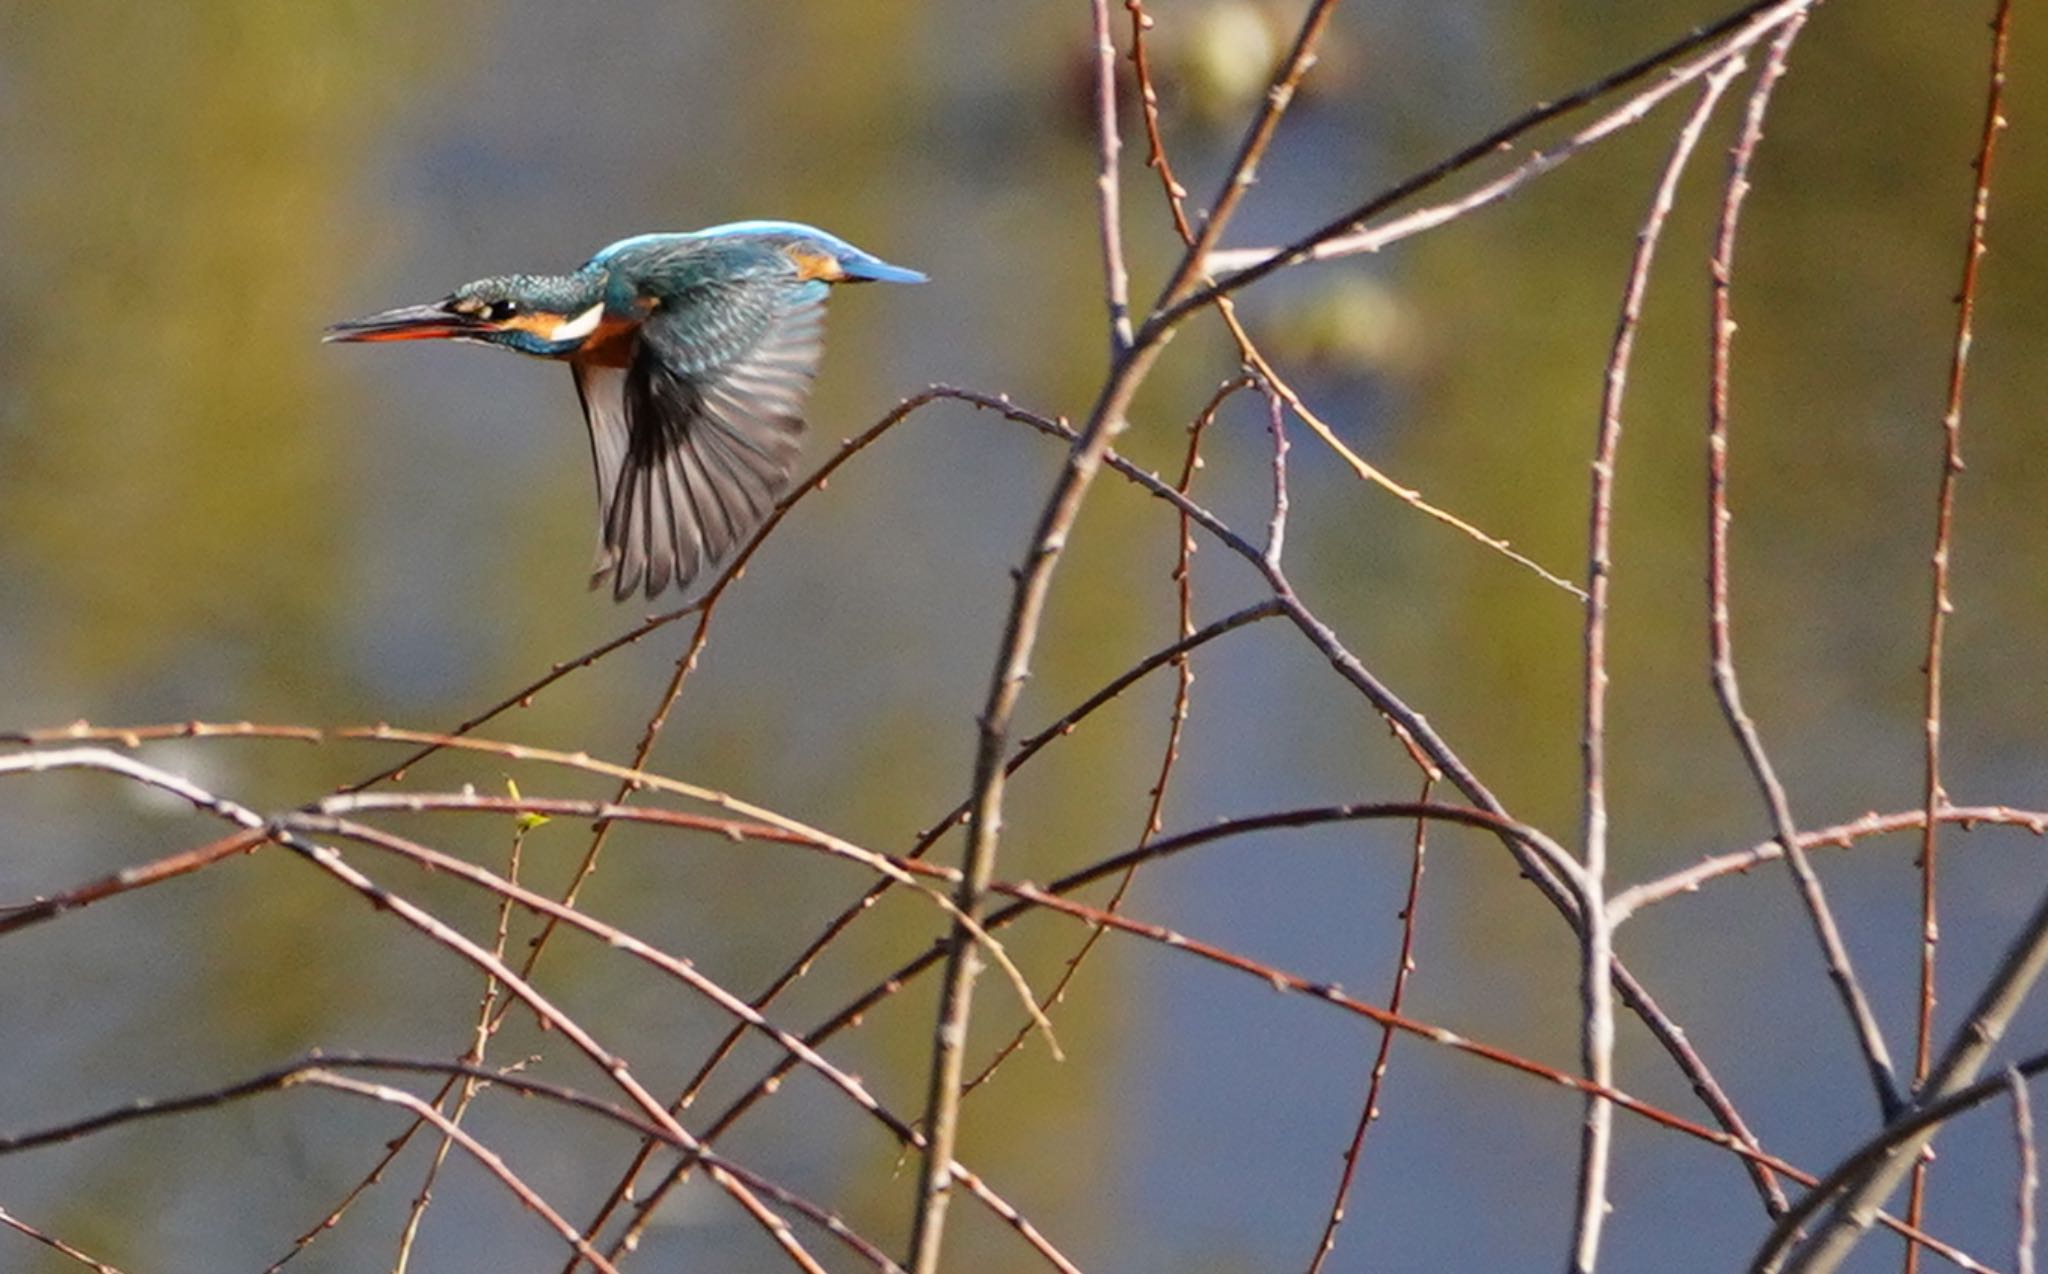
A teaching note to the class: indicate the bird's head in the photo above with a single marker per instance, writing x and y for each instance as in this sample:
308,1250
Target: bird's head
547,316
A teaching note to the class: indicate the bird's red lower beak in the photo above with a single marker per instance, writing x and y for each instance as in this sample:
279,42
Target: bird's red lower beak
407,323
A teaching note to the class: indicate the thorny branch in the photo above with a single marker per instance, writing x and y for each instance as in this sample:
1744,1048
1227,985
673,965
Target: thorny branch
1204,276
1727,688
1596,930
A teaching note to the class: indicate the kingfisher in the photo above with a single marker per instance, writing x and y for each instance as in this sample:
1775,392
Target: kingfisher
692,355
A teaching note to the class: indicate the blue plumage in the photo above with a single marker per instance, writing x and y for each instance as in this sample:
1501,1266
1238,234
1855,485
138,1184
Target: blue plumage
692,355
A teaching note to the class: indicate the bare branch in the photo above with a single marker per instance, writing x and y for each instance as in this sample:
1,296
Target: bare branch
1244,168
1177,654
22,915
134,736
1727,689
1842,835
1419,734
55,1244
731,573
1404,965
634,777
1959,1064
1892,1144
304,1071
1940,604
1596,931
1743,28
1116,279
2030,1170
1020,632
479,1044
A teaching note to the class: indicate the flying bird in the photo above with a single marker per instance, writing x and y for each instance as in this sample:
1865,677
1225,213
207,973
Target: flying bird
692,353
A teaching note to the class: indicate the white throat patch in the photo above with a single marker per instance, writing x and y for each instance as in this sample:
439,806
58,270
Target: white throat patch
577,328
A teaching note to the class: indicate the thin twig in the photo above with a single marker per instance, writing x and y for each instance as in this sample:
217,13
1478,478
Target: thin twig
1244,167
685,663
675,967
1941,605
54,1243
1691,879
1177,716
1891,1145
1012,667
296,1073
1020,632
479,1044
1596,931
1727,689
1276,525
1007,1213
525,695
1155,143
1116,278
340,1208
1372,239
634,777
1257,362
2029,1186
1419,733
483,1154
1404,965
1841,970
1326,993
1748,25
855,1011
732,571
1002,406
613,937
1976,1036
22,915
1030,898
796,968
134,736
1369,472
329,861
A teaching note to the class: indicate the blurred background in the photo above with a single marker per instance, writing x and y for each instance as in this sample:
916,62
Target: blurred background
204,513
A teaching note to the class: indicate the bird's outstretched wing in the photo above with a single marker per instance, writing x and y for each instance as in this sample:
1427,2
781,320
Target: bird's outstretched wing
695,436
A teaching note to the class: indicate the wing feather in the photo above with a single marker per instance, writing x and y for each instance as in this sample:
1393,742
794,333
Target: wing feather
695,437
601,390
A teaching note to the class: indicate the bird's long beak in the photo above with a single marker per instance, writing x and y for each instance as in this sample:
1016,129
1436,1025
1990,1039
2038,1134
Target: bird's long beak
409,323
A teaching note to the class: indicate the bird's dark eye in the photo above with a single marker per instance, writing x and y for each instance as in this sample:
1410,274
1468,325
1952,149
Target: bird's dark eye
499,311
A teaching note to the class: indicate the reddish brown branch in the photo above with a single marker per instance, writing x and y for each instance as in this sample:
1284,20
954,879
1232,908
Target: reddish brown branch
1404,965
22,915
320,1069
1746,24
1415,730
1941,606
1720,631
1184,678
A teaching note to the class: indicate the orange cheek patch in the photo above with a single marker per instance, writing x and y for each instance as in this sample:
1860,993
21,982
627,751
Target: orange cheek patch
536,322
816,265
